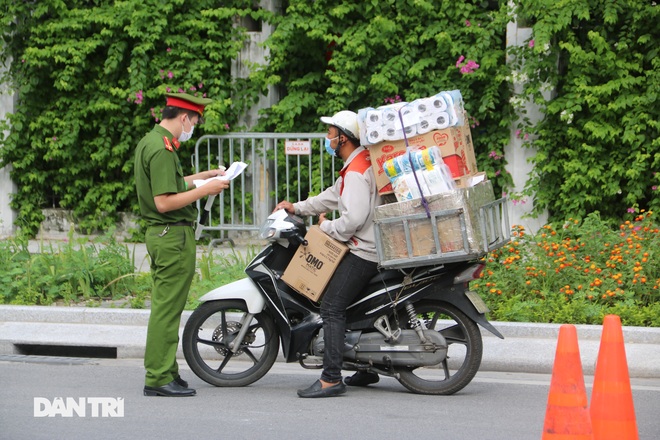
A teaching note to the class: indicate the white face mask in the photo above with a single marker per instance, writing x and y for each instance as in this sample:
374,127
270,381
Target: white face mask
186,135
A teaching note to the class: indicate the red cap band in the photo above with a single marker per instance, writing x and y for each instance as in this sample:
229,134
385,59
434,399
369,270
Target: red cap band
181,103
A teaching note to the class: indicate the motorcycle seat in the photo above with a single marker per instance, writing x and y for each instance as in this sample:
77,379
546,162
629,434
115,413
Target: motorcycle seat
386,275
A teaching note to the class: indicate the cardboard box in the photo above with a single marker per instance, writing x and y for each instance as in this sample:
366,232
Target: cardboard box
469,180
455,143
313,265
405,236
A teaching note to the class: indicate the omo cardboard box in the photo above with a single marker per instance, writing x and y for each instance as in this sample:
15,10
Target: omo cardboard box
455,143
313,265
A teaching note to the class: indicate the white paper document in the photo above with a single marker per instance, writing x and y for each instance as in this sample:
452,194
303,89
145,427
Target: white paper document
232,172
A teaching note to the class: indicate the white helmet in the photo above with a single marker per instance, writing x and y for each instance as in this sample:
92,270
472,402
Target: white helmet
346,121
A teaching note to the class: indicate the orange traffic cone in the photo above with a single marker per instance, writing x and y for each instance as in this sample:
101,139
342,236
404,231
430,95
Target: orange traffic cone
567,415
612,410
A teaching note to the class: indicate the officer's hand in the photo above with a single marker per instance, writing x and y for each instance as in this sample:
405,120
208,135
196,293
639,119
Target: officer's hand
322,218
288,206
215,172
215,186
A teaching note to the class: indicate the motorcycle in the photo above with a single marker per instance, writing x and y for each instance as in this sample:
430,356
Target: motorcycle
418,325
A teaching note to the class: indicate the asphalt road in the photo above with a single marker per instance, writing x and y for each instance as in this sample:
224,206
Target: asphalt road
495,406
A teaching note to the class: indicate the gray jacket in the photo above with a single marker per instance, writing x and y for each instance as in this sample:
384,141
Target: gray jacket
355,196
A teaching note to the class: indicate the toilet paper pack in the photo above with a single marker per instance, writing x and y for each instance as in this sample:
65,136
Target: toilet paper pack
405,119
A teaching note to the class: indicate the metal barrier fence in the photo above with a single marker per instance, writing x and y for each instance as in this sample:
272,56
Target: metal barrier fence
253,195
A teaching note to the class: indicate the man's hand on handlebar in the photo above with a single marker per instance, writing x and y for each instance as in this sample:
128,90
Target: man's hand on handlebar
288,206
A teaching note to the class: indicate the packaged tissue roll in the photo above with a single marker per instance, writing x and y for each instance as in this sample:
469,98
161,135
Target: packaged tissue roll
405,184
435,121
436,173
430,176
438,103
451,107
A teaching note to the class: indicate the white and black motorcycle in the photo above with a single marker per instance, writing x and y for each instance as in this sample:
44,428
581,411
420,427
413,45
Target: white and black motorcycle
418,325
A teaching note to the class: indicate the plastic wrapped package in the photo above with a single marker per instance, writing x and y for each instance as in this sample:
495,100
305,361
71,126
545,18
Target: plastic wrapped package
431,175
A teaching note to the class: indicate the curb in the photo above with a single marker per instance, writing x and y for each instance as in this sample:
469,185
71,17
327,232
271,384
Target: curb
527,347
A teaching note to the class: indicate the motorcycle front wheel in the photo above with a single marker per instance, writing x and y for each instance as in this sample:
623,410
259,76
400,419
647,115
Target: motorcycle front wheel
208,344
464,351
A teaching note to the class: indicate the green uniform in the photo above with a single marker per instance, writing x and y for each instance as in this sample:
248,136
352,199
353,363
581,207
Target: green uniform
171,248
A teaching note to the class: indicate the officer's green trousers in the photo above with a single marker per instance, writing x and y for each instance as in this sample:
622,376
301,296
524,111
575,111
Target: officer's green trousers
173,258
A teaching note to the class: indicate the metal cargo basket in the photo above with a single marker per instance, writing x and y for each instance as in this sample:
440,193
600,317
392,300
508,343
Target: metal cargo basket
464,224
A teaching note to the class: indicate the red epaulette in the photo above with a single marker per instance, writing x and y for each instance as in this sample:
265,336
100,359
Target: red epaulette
169,144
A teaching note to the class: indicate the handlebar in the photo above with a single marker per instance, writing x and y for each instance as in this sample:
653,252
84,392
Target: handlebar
299,239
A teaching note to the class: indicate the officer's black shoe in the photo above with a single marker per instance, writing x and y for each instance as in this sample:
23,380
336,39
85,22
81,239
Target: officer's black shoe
361,379
181,382
172,389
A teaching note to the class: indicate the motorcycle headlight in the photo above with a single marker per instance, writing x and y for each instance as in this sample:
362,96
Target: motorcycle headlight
269,233
266,231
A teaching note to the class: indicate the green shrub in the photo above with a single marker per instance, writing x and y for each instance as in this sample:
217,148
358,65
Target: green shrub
77,270
577,272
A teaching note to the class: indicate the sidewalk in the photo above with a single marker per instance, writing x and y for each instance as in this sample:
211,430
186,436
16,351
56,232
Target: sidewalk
527,347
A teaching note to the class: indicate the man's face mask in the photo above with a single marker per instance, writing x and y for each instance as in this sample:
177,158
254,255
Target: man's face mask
186,135
328,148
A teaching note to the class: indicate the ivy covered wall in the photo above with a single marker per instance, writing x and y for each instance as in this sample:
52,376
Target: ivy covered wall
89,78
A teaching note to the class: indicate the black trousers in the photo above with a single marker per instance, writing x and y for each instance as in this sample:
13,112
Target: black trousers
350,278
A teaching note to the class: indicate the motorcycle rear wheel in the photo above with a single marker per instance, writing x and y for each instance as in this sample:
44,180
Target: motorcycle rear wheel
208,333
465,349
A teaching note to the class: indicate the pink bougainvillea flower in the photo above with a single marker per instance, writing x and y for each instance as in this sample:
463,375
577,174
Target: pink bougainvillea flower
459,61
170,75
169,49
531,44
469,67
467,23
631,210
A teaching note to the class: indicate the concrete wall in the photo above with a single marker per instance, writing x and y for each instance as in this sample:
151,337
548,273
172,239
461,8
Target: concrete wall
7,187
255,52
518,156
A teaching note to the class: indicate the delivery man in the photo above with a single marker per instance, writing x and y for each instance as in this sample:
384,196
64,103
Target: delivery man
355,196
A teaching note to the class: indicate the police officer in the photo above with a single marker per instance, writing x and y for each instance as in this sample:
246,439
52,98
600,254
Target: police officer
166,200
